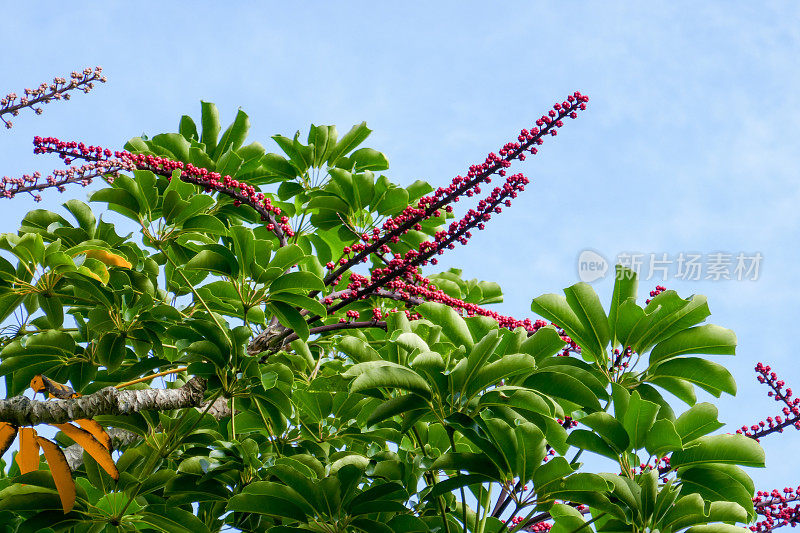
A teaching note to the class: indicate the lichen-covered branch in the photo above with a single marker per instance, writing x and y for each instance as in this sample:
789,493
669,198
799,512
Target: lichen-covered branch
22,411
122,437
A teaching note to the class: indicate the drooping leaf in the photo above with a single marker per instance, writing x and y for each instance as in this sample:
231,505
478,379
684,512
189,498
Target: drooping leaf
708,375
97,450
28,455
707,339
59,468
729,449
8,432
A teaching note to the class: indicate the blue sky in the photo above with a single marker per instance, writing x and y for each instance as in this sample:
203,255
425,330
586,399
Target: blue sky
689,143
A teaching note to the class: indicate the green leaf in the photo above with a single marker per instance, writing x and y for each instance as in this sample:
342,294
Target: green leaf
471,462
83,215
639,418
700,420
111,351
211,127
717,528
290,318
720,483
545,343
708,339
188,128
298,300
391,377
270,500
456,482
234,136
348,142
667,314
679,388
608,428
392,201
626,284
358,350
662,437
171,519
18,497
175,143
229,163
555,308
729,449
508,366
215,258
710,376
585,303
563,386
287,256
586,440
118,200
368,159
53,308
530,450
205,224
297,281
278,166
395,406
324,140
453,325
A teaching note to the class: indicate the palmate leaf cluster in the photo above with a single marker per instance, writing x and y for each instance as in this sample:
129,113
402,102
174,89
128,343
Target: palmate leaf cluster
441,423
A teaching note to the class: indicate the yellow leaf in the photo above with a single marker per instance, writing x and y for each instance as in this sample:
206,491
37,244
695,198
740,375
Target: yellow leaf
86,441
8,432
28,455
97,431
94,269
59,469
109,258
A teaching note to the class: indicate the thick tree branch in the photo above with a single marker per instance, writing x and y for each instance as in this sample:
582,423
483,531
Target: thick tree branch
22,411
321,329
122,437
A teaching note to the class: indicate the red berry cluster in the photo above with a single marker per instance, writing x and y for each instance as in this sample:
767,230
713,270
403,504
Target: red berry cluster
425,290
775,507
411,217
456,232
662,465
428,206
653,294
541,527
791,408
550,453
210,181
622,358
47,92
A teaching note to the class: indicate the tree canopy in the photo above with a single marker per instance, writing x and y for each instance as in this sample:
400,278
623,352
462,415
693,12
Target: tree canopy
313,378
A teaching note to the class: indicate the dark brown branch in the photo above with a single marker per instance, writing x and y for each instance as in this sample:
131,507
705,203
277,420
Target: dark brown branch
22,411
332,327
262,341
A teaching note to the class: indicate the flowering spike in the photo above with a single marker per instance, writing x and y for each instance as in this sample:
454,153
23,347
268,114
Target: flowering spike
209,181
47,92
396,226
